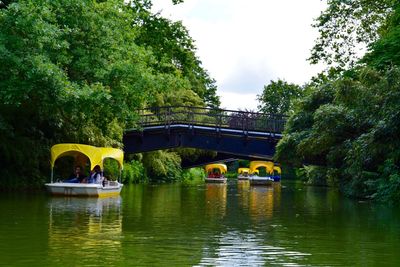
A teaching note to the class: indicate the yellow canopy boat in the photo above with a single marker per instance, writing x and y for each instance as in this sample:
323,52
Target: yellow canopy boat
95,157
277,174
255,179
243,173
215,173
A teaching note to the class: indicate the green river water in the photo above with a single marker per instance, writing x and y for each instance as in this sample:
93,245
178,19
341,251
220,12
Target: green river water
204,225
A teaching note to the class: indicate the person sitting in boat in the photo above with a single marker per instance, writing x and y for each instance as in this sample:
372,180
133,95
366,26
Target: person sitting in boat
96,176
76,177
217,173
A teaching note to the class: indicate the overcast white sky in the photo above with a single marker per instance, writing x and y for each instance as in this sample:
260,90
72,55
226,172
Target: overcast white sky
245,44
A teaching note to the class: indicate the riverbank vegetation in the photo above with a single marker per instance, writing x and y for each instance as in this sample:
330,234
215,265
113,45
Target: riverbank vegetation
75,71
346,126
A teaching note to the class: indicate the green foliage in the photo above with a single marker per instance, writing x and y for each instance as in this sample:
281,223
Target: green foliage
67,72
385,52
388,183
231,175
175,52
134,172
348,120
345,26
313,175
352,133
75,71
162,166
193,176
277,97
243,163
183,97
111,169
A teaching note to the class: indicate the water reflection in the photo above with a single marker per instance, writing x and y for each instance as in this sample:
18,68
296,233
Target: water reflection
259,201
235,248
216,200
243,188
173,225
82,229
261,204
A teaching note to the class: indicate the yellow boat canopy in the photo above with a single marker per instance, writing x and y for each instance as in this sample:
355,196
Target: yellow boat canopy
243,170
254,165
221,167
277,169
96,155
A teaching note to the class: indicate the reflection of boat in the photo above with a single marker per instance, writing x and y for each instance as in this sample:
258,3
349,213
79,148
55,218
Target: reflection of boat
255,167
243,173
95,206
215,173
261,202
83,230
216,199
243,188
96,156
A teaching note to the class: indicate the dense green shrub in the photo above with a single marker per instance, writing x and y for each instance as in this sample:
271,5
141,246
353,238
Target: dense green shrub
193,176
134,172
353,133
313,175
162,166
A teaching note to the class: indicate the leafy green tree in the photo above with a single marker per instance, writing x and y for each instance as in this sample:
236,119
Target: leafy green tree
349,127
346,26
70,71
175,51
385,52
162,166
346,123
278,97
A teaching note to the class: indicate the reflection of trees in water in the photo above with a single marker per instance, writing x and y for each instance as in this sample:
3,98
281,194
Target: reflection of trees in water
163,225
216,200
85,230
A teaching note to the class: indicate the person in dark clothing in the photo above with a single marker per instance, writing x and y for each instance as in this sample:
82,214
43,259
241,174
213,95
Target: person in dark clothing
96,176
76,177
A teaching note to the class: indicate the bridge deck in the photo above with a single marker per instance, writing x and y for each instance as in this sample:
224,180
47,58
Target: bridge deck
237,133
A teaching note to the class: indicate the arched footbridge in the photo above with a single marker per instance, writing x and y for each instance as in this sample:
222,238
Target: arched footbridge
233,134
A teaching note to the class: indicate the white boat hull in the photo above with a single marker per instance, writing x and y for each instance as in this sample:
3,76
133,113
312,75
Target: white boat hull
216,180
88,190
257,180
242,177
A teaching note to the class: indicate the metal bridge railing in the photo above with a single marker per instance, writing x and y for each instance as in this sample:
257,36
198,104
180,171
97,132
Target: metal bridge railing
218,118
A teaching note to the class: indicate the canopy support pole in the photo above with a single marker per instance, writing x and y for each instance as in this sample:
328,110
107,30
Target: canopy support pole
52,174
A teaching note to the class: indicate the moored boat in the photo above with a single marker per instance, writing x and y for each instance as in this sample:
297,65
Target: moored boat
95,156
259,180
255,178
277,174
215,173
89,190
243,173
